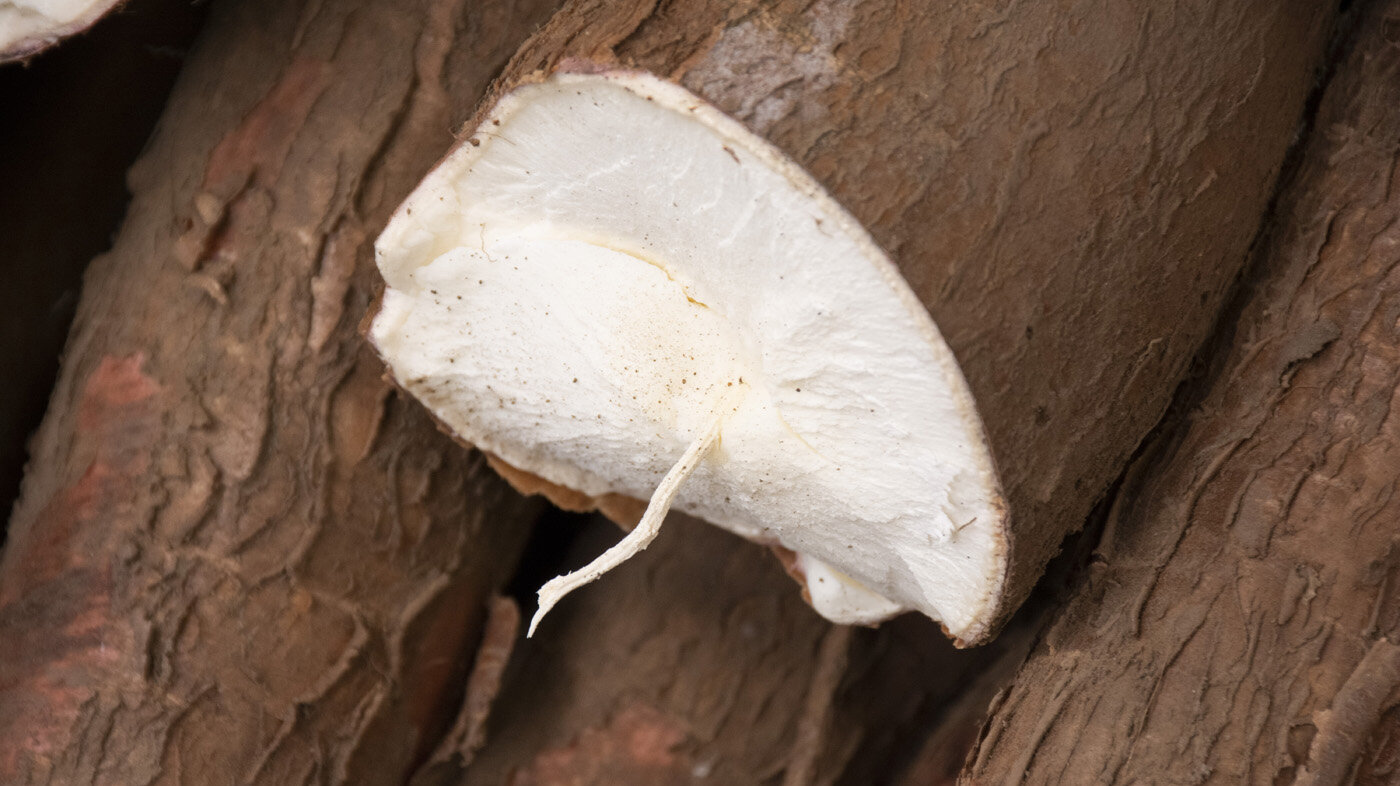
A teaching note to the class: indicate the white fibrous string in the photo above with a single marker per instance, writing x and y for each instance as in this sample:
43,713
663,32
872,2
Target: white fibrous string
642,535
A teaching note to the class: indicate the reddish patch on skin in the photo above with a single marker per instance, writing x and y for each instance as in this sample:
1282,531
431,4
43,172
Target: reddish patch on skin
115,426
637,745
58,639
256,149
48,550
114,388
261,142
56,647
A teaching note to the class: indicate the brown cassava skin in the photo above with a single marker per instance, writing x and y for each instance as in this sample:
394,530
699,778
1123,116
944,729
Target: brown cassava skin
696,663
65,195
1242,622
1069,188
238,556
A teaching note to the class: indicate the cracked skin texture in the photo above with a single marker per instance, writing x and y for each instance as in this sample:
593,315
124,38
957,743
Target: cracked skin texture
237,554
1070,189
1242,621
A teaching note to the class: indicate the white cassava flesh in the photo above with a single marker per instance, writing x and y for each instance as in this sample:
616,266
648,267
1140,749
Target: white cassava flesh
641,535
614,285
27,26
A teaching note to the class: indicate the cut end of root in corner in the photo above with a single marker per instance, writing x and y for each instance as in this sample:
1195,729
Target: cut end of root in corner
641,536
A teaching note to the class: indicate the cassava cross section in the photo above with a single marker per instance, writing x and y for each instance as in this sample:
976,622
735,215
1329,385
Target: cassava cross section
1068,191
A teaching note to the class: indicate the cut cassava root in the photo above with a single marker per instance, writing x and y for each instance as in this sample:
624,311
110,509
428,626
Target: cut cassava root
584,314
1071,228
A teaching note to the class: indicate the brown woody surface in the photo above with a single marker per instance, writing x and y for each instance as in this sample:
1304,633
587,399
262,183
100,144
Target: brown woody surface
238,556
1242,623
65,189
228,507
1069,187
694,662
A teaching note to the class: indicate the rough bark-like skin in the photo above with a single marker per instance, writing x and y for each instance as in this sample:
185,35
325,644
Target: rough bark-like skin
1242,623
695,663
910,694
65,193
1069,187
238,556
941,758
